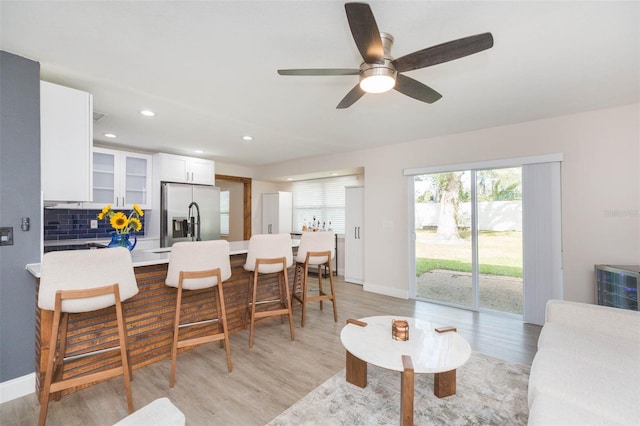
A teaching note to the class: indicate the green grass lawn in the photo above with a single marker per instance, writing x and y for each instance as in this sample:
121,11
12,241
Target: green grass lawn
500,253
425,265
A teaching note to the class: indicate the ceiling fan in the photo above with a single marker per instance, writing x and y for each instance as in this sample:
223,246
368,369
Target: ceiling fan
380,72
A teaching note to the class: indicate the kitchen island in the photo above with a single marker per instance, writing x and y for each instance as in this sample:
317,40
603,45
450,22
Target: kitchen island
149,315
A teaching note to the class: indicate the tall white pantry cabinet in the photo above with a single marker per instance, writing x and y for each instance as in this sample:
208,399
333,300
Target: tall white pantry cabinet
354,235
277,213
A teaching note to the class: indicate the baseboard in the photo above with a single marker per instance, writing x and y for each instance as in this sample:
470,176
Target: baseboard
18,387
393,292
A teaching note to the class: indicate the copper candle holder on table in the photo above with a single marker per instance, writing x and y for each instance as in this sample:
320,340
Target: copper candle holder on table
400,330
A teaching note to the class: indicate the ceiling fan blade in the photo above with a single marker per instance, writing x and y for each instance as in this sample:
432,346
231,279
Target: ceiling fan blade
355,94
320,71
415,89
444,52
365,32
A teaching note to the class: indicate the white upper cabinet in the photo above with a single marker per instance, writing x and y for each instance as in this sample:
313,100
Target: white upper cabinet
121,179
177,168
66,137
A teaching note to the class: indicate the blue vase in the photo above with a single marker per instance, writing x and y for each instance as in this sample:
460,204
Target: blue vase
122,240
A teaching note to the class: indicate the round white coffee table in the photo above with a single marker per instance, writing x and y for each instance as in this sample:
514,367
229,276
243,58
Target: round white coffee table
426,351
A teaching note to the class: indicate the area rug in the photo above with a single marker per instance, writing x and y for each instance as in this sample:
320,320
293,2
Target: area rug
490,391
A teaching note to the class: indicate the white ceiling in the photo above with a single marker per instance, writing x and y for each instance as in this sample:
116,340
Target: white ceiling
208,69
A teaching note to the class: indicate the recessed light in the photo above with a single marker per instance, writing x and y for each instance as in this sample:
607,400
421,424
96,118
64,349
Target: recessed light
110,135
199,151
335,174
247,138
289,178
147,113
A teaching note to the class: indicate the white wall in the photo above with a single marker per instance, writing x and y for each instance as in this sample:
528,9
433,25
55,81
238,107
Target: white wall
600,190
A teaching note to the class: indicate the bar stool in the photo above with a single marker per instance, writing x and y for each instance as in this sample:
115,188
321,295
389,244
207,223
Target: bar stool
269,254
83,281
316,249
196,265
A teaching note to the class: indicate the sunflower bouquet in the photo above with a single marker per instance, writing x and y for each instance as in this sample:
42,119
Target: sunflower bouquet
121,223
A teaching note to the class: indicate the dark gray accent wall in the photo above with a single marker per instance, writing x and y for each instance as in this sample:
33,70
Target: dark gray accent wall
19,197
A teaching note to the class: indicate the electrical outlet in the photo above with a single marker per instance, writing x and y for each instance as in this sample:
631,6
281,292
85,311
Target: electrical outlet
6,236
94,224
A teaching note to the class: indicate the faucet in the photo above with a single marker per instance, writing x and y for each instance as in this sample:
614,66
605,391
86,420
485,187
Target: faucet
193,224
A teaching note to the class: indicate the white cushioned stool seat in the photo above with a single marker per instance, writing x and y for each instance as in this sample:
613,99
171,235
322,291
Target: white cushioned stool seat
85,269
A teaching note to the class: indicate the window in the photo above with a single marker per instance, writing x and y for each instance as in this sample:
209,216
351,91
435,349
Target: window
224,212
322,199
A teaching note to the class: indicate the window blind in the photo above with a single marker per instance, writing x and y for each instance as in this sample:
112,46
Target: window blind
323,199
542,238
224,212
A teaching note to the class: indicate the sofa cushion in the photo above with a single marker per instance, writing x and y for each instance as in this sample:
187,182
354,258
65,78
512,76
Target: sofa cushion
600,349
550,411
579,381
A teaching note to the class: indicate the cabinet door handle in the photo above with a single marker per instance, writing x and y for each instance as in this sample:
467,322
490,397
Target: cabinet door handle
355,232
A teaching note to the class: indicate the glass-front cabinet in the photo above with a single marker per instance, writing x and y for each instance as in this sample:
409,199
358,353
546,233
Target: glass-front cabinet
617,285
121,179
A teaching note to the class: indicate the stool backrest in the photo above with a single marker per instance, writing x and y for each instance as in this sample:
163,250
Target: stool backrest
269,246
82,270
196,256
316,241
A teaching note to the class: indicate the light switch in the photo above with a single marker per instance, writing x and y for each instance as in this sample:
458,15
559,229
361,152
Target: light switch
6,236
94,224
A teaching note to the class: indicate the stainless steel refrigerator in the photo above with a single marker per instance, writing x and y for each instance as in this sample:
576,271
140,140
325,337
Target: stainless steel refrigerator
189,213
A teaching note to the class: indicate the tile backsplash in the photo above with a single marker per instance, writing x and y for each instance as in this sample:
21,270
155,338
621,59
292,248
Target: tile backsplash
71,224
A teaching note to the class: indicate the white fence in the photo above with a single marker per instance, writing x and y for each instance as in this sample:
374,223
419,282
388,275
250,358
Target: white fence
492,215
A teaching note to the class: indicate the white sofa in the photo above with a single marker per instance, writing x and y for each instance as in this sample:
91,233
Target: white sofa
587,368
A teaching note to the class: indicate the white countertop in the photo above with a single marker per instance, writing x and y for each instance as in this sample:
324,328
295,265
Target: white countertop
161,255
430,352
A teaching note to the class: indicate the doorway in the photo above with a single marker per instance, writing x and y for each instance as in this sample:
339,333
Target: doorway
246,202
468,245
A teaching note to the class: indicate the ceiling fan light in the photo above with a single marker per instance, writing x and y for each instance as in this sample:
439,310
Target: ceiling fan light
377,83
376,78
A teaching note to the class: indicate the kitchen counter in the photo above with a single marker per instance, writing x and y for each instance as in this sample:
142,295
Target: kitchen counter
161,255
149,315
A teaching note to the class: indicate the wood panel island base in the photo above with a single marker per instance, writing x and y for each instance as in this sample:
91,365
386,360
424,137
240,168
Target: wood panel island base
149,318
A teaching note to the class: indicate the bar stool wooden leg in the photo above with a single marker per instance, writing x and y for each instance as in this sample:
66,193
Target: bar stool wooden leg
217,298
44,401
320,290
176,330
247,311
286,284
124,353
333,292
305,283
58,368
225,329
253,306
281,291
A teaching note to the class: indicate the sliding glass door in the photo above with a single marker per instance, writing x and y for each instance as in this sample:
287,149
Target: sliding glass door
468,244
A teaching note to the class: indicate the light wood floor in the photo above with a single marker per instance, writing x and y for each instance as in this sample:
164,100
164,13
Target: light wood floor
276,372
